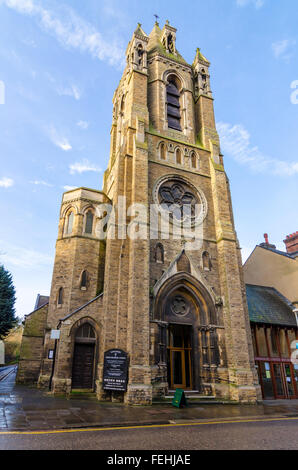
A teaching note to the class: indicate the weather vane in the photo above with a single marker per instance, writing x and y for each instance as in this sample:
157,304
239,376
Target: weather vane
156,17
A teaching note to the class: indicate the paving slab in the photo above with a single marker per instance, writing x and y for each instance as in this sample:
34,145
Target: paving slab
27,408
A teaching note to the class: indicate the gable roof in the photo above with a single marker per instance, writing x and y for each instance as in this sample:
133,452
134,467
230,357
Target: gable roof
41,300
278,252
267,305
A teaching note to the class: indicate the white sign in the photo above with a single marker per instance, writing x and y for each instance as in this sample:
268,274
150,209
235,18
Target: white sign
51,354
55,334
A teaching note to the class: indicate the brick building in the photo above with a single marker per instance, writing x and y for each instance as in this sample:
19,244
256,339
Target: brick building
177,309
271,278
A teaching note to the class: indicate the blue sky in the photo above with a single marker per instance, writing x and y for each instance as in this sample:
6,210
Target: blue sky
61,61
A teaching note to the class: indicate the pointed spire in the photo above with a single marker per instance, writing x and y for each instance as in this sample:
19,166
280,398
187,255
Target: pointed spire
155,43
200,58
139,31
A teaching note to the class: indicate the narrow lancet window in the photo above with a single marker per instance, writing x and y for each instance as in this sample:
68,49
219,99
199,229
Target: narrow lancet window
206,261
193,160
178,157
69,225
162,151
89,222
159,253
60,296
84,280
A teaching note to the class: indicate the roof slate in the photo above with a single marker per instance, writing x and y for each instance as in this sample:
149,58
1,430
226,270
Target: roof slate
278,252
267,305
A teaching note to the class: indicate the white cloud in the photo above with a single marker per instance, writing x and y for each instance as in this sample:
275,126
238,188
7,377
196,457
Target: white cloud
58,140
41,183
73,91
282,49
20,256
83,124
29,42
236,143
257,3
69,188
6,182
71,30
82,167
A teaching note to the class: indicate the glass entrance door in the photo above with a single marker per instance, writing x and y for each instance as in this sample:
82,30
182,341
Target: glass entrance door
266,380
179,357
279,380
284,377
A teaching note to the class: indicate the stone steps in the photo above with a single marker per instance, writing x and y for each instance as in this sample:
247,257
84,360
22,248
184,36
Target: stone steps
83,395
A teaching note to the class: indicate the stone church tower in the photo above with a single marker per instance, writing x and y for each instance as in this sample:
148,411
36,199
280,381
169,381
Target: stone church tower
177,308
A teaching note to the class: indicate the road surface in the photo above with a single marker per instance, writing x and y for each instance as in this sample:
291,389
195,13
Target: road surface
267,434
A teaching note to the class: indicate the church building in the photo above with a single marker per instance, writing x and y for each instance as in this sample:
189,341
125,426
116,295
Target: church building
138,313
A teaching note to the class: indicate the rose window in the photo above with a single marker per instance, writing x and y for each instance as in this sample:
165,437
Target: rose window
178,200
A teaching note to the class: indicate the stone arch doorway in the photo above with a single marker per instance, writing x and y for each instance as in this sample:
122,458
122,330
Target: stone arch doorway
180,356
184,309
180,313
83,366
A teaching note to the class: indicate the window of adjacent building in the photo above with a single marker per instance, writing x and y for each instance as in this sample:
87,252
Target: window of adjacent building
253,332
69,224
261,339
292,339
266,375
60,296
89,222
173,105
284,350
272,340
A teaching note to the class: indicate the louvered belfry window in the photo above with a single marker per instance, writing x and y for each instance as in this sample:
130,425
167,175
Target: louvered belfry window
173,106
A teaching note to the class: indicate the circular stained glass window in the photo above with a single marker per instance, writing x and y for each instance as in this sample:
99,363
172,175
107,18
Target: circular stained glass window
180,200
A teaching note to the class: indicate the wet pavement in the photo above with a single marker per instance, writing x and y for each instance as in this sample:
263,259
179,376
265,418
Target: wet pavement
25,408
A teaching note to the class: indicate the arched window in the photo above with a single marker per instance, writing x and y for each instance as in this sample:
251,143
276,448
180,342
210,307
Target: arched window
60,296
162,150
69,223
173,105
183,264
122,107
89,222
84,279
193,160
178,157
140,52
206,261
85,332
159,253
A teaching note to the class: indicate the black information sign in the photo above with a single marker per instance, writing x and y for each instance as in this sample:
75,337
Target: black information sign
115,370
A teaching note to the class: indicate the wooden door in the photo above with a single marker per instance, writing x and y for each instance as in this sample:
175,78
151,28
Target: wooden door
179,357
83,365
